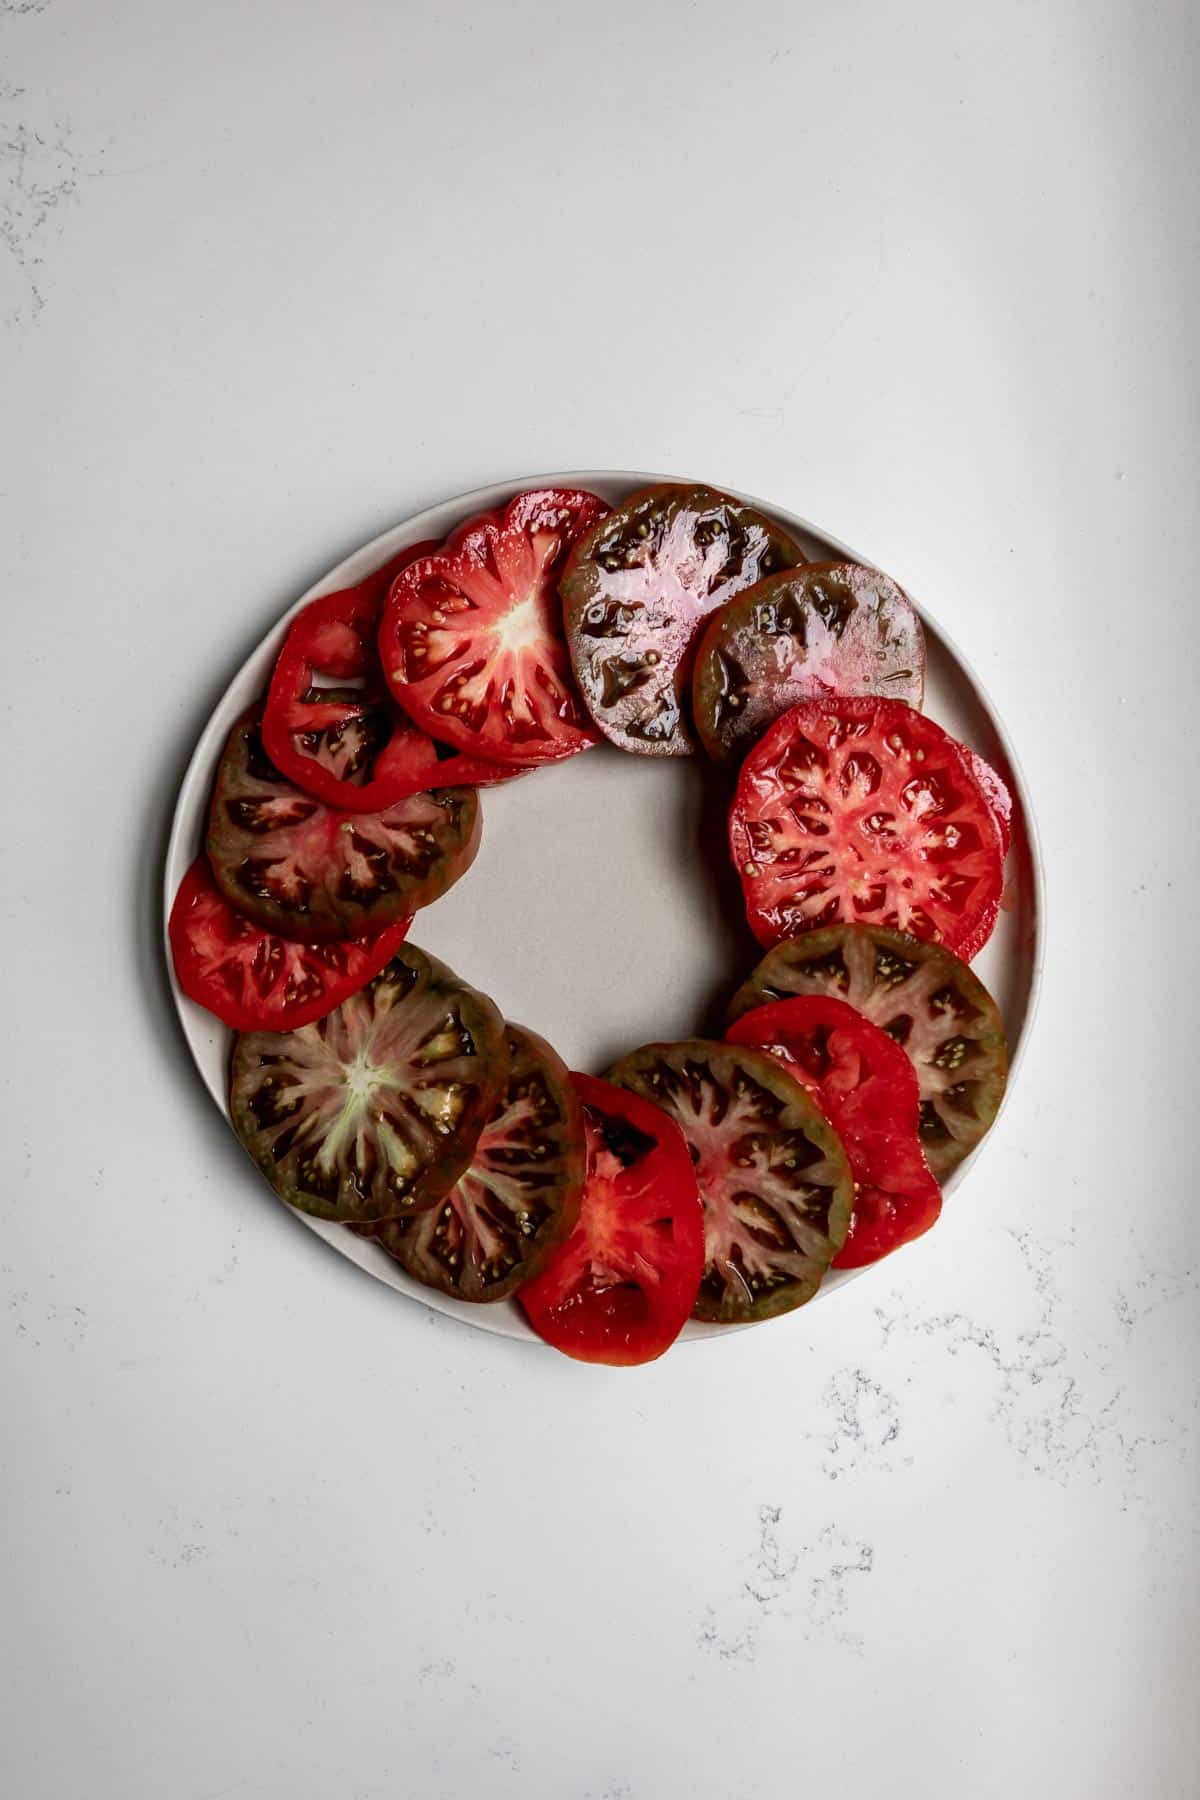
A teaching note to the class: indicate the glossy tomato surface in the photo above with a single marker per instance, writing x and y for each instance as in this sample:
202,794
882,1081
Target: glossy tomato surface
472,639
253,979
867,1089
636,591
520,1196
314,872
621,1287
826,628
373,1111
864,811
330,724
926,999
773,1177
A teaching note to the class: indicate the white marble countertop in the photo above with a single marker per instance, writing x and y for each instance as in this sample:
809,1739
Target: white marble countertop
272,277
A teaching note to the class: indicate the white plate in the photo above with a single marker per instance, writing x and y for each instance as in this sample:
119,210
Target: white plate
601,909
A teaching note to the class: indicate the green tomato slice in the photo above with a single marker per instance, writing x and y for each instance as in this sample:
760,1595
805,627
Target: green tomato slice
773,1177
373,1111
826,628
925,998
520,1196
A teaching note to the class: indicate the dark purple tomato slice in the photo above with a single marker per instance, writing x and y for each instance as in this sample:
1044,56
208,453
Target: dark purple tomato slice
867,1089
373,1111
620,1289
773,1177
520,1196
637,589
926,999
471,640
827,628
860,810
330,724
254,980
315,872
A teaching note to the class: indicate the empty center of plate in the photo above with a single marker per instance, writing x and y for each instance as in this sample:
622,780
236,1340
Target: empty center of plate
602,910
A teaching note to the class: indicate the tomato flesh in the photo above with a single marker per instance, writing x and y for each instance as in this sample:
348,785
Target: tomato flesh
862,810
520,1196
773,1177
926,999
255,980
472,642
330,724
826,628
315,872
635,592
867,1088
620,1288
373,1111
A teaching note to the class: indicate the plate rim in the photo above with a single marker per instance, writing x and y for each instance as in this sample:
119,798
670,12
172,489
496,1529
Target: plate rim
506,1320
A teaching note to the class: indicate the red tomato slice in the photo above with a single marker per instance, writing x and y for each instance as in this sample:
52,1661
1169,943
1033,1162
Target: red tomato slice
472,638
866,1086
254,980
350,745
996,789
862,811
622,1286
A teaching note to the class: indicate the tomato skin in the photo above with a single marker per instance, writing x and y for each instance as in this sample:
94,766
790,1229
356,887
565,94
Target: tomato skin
471,641
620,1289
860,810
336,636
867,1088
243,974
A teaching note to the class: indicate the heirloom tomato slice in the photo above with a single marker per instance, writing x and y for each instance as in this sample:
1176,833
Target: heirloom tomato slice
472,640
520,1196
860,810
621,1286
313,872
773,1177
923,997
826,628
373,1111
867,1089
635,592
255,980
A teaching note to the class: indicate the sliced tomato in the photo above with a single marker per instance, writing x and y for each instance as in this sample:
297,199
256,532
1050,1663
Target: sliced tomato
255,980
373,1111
925,999
996,789
314,872
864,811
621,1287
867,1088
520,1196
773,1177
472,641
330,724
635,592
827,628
